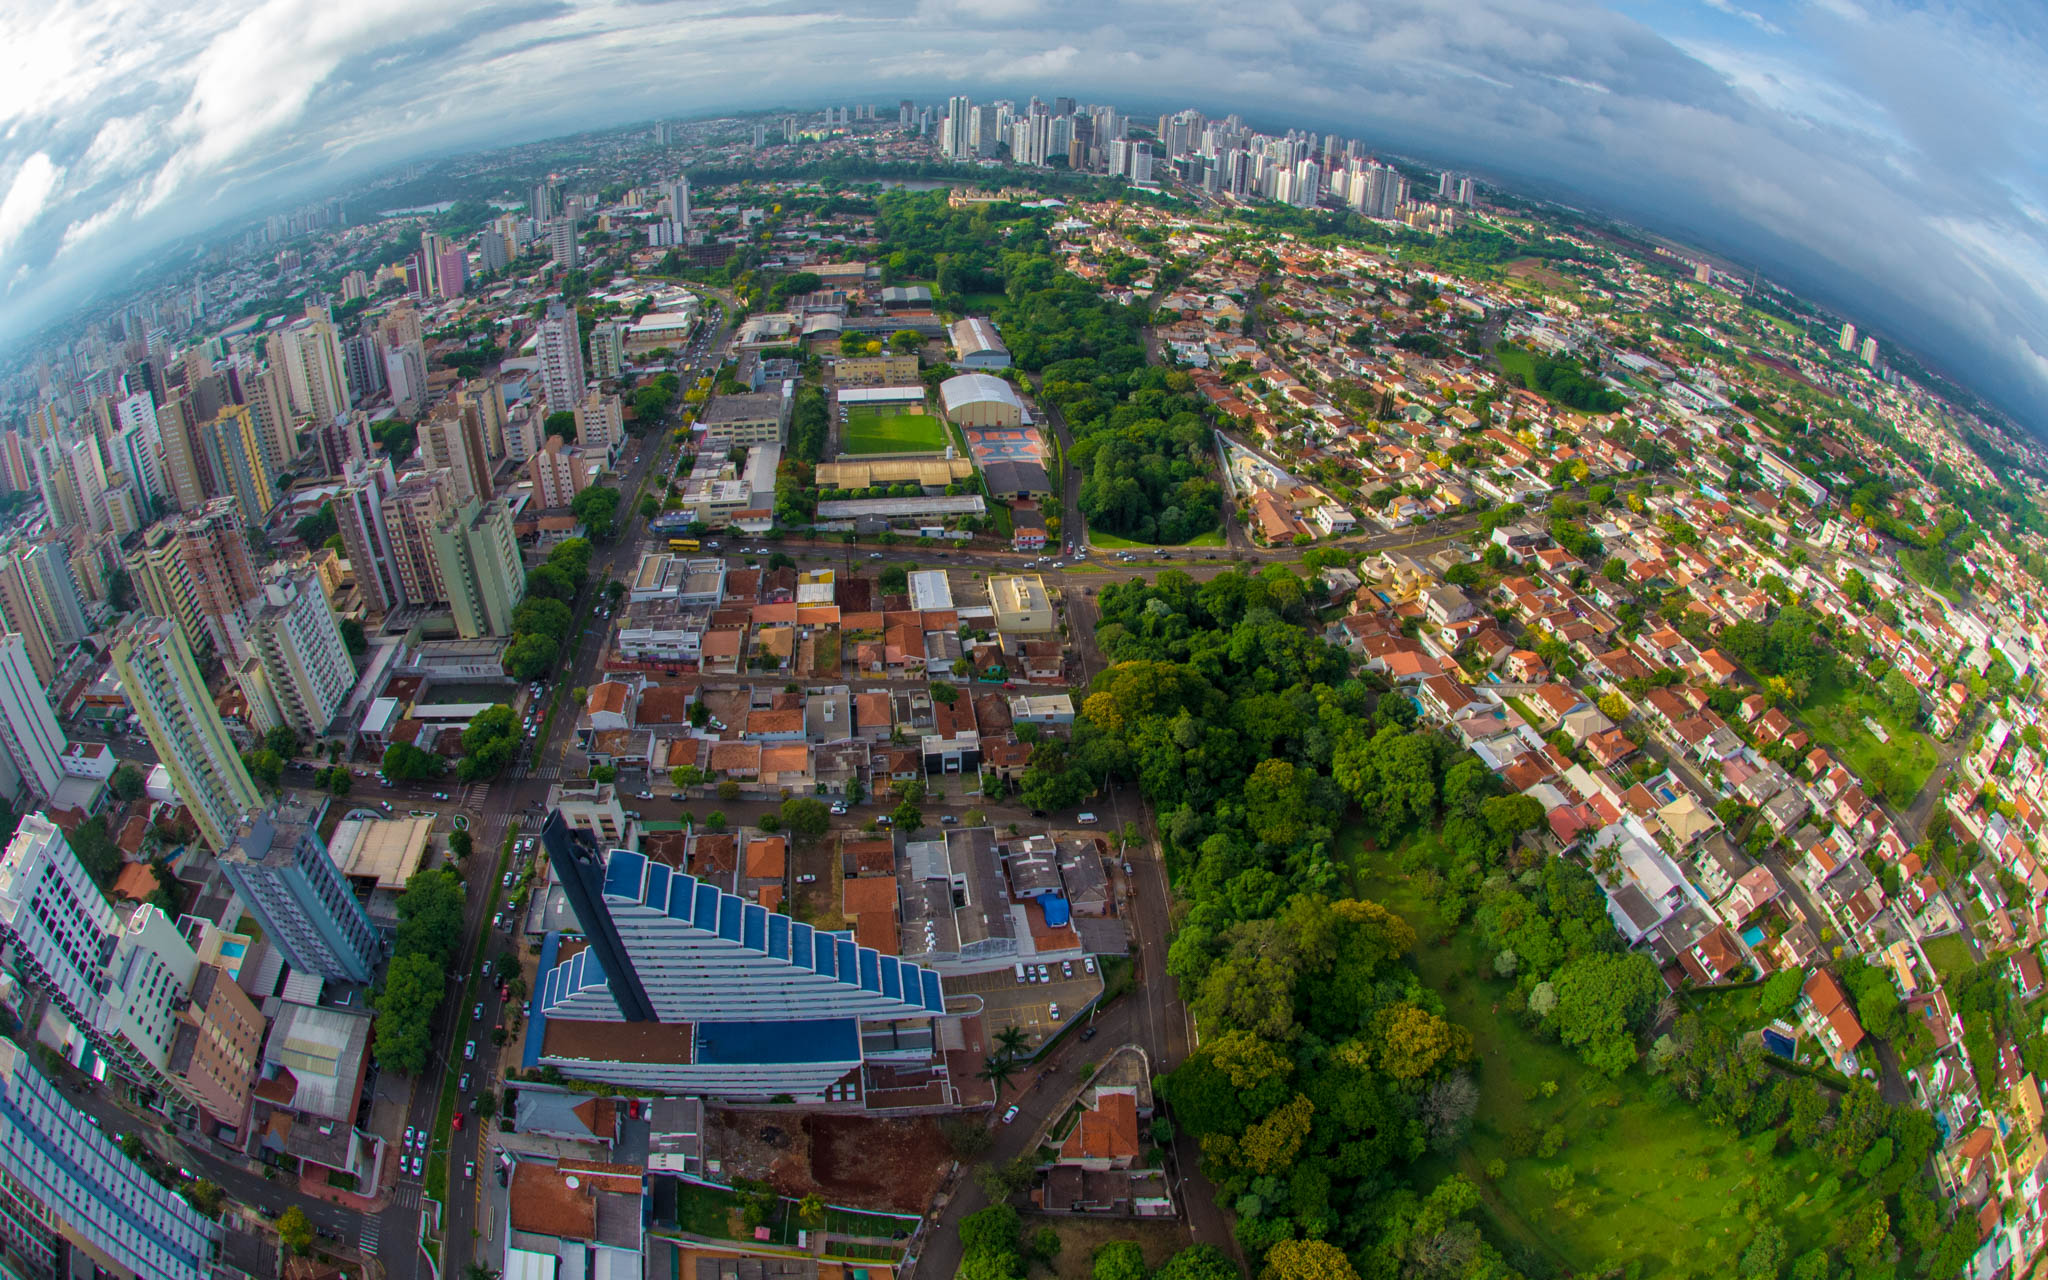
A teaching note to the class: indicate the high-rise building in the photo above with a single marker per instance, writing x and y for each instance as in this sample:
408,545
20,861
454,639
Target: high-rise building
493,251
281,868
562,245
600,422
773,1005
307,671
452,276
677,194
53,591
452,440
607,349
58,926
955,143
557,475
217,1054
343,443
432,245
29,735
234,449
184,465
365,360
359,511
1869,351
195,568
405,373
411,511
477,562
561,358
166,689
136,451
88,479
1848,338
546,203
316,376
66,1180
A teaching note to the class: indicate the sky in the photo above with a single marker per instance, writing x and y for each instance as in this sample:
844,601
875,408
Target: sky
1886,158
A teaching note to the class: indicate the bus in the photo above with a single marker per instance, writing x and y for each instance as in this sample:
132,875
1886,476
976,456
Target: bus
682,544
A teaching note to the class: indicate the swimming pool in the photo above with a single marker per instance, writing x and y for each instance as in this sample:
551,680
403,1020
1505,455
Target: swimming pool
1753,935
234,950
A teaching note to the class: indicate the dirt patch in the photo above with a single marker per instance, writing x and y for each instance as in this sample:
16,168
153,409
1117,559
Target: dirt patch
862,1162
1534,270
1081,1237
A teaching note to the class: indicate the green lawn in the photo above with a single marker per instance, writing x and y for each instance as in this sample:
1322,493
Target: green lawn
1650,1181
1898,768
1110,542
1950,954
868,431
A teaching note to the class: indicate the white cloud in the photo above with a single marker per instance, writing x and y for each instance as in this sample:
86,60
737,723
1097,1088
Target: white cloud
26,195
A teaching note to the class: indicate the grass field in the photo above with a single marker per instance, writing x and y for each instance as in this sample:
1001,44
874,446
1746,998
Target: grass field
873,431
1649,1179
1110,542
1898,768
1950,954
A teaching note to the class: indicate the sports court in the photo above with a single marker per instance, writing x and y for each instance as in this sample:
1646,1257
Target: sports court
1004,444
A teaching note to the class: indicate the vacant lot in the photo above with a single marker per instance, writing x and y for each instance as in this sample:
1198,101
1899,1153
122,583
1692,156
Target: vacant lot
1649,1179
876,431
862,1162
1898,768
1081,1237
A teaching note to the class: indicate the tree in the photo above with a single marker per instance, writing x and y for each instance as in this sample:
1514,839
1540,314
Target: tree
1010,1041
597,510
686,775
1119,1260
95,848
998,1071
1307,1260
205,1196
1198,1262
295,1232
562,422
1780,992
532,657
908,816
805,816
127,783
264,765
353,637
996,1229
460,844
403,762
489,743
1602,998
430,914
405,1013
715,820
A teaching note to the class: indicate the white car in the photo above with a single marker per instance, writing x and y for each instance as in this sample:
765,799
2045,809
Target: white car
1011,1114
1053,1011
839,808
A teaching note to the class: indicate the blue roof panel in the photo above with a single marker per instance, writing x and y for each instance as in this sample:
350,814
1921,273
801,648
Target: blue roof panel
870,969
755,929
657,886
934,998
622,874
731,909
800,945
707,908
778,936
845,962
892,982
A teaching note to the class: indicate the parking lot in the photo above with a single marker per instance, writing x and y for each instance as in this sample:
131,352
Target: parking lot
1008,1003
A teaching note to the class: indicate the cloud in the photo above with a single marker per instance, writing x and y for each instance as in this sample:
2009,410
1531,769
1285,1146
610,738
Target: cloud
1886,156
26,195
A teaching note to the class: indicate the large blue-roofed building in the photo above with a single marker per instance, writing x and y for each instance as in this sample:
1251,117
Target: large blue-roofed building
718,994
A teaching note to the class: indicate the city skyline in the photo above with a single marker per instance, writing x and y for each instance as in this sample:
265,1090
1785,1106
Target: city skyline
1789,137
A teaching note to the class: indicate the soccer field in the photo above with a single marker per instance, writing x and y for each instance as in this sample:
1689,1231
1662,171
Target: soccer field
867,431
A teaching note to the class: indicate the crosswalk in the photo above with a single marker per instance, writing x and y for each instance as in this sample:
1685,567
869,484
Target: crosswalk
406,1195
372,1233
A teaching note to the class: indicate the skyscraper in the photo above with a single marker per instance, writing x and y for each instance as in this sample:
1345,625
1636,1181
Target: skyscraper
297,642
411,511
476,560
316,376
677,194
955,143
607,349
184,472
66,1179
281,868
1869,351
452,439
195,568
600,422
29,734
359,511
165,687
561,358
1848,339
562,246
54,919
234,449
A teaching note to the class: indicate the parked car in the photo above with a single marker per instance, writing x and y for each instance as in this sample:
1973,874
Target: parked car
839,808
1088,1032
1066,968
477,1014
463,1086
807,879
1088,963
1053,1011
1011,1114
469,1051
